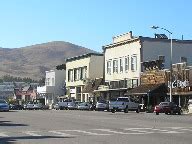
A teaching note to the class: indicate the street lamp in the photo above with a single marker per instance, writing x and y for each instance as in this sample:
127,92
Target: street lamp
170,35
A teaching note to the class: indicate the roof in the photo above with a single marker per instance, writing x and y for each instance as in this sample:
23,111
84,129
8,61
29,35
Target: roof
141,38
91,86
83,56
148,88
120,43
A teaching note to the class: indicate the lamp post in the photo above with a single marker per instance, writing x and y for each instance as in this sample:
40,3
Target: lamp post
170,35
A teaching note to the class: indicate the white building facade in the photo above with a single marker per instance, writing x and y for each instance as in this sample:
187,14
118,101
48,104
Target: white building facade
79,71
54,86
124,57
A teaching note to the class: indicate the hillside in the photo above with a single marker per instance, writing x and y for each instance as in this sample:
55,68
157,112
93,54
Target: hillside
33,61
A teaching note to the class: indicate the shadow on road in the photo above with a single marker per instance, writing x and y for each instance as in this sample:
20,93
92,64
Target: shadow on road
13,140
8,123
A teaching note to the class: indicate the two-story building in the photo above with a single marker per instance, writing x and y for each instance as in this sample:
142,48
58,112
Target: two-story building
54,86
80,71
123,58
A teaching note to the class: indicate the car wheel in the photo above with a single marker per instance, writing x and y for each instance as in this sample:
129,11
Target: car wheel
138,110
113,110
157,113
171,112
126,110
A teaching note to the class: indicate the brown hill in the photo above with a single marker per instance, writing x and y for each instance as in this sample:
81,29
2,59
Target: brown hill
33,61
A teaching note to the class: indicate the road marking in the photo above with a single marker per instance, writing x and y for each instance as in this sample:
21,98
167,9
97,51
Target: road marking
116,132
31,133
62,133
181,128
86,132
3,135
152,130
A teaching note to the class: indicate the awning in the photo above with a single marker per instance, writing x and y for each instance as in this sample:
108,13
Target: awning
181,93
148,88
108,90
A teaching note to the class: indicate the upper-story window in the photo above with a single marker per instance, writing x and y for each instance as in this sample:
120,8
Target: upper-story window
126,64
109,67
115,66
183,59
70,75
53,82
121,64
85,72
80,73
47,81
75,74
134,62
162,58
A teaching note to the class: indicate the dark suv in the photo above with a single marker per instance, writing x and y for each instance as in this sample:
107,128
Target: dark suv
167,108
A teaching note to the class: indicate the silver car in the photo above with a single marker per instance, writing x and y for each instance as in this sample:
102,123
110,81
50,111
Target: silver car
4,105
102,105
84,106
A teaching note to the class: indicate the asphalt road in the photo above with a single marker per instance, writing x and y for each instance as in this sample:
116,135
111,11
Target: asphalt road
92,127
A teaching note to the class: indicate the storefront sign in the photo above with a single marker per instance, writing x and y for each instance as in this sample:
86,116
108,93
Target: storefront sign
179,84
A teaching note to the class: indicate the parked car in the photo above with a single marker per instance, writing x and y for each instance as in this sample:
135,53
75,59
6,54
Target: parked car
102,105
64,104
167,108
29,105
72,105
37,105
4,106
55,106
16,107
84,106
33,106
124,104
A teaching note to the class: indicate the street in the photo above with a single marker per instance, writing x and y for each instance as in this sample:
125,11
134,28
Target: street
85,127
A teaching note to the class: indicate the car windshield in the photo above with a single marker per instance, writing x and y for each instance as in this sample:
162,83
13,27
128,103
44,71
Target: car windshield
102,101
2,101
122,99
82,104
30,102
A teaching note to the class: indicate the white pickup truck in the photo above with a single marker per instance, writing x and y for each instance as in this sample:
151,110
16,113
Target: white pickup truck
124,104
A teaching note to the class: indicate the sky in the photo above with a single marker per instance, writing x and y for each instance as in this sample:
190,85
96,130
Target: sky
90,23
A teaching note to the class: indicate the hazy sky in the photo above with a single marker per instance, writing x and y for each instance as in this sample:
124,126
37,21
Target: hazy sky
89,23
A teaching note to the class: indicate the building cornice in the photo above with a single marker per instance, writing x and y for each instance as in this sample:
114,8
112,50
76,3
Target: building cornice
83,56
120,43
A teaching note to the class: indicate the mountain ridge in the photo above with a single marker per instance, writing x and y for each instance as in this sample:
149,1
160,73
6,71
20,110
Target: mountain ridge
32,61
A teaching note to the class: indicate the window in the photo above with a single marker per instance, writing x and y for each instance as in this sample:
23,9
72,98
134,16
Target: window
132,83
135,83
126,64
80,73
115,66
183,59
162,58
47,81
53,82
109,67
134,63
75,74
121,64
70,75
85,72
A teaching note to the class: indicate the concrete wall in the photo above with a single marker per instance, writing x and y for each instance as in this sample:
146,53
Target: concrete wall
96,67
